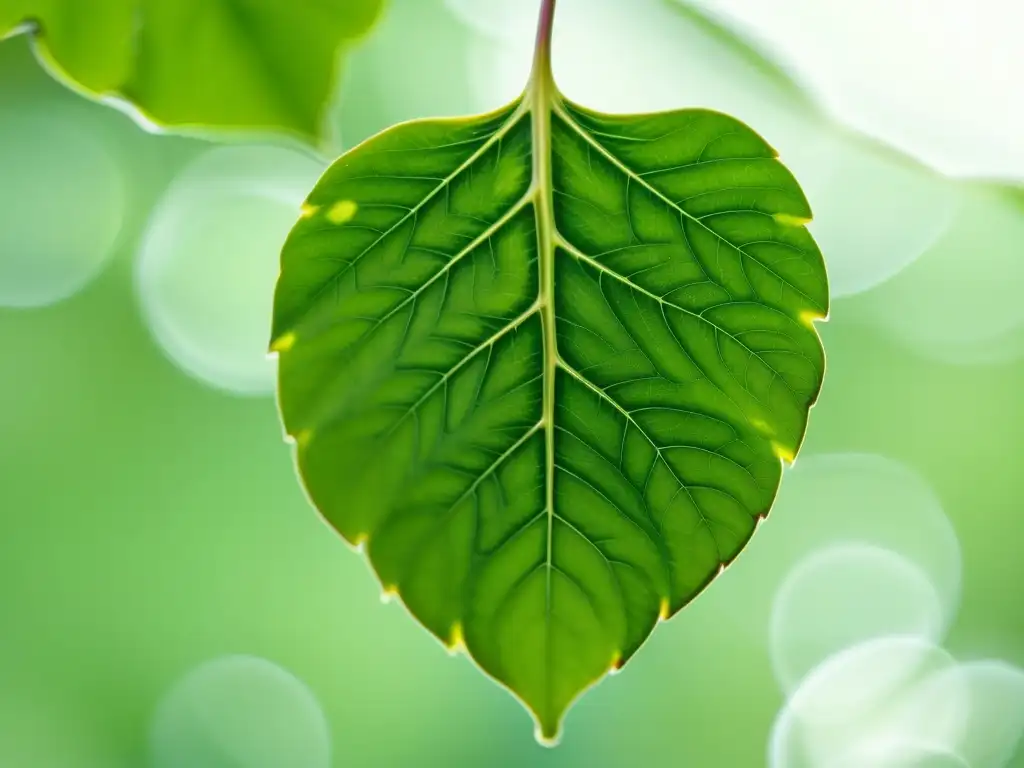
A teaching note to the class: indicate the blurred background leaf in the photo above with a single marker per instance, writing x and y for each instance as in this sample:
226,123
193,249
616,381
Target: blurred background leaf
225,64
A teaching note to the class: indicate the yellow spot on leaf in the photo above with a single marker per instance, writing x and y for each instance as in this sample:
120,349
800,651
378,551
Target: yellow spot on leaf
788,220
308,210
342,211
302,437
808,318
665,609
784,453
283,343
761,426
456,642
616,661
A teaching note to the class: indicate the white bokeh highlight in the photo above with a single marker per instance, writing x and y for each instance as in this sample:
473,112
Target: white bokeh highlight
939,79
210,257
874,704
901,702
62,205
900,753
875,211
836,499
856,630
640,56
844,594
995,727
960,303
239,712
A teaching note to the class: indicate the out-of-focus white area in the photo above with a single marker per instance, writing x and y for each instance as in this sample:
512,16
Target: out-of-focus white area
239,712
864,706
844,499
854,581
62,204
960,302
875,212
856,630
901,702
210,257
995,725
842,594
640,56
938,79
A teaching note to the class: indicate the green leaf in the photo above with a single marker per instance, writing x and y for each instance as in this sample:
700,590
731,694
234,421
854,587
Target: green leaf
198,63
546,365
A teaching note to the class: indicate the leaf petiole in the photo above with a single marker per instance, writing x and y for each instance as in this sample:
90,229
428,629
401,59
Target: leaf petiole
542,50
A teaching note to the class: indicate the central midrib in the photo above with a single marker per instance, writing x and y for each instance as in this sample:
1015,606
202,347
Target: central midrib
541,94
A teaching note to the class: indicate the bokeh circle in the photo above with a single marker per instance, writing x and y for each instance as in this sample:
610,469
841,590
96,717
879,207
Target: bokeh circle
836,499
844,594
210,258
239,712
874,698
62,205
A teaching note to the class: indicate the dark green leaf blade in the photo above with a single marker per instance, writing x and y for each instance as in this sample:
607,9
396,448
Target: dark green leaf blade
546,498
235,64
687,290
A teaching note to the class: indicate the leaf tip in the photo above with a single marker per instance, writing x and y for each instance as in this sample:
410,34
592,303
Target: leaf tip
548,734
342,211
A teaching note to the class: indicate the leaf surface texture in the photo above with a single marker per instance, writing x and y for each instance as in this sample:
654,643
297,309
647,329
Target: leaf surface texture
546,365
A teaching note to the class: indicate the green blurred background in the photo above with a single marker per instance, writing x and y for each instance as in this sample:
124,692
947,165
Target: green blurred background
170,599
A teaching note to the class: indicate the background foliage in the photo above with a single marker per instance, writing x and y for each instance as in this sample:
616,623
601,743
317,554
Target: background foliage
165,585
210,66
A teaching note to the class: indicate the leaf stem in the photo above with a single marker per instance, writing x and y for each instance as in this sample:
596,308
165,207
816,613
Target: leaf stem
542,50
